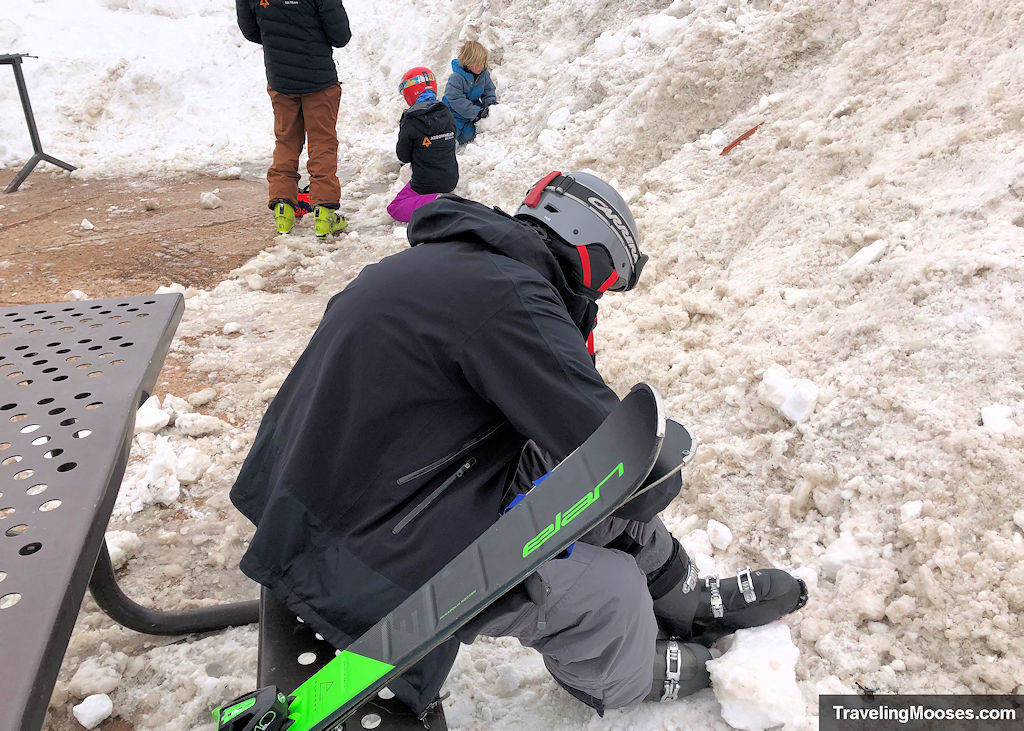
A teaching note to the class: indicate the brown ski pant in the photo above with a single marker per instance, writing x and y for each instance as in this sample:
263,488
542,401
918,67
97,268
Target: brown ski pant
298,117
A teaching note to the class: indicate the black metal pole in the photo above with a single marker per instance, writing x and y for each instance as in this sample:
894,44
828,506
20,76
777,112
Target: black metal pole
14,60
113,601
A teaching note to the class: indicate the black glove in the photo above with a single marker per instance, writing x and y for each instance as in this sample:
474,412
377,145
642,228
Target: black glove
483,112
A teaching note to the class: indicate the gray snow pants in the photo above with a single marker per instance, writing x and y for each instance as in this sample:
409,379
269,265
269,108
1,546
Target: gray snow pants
595,627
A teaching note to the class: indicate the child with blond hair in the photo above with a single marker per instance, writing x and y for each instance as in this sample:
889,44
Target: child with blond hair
469,92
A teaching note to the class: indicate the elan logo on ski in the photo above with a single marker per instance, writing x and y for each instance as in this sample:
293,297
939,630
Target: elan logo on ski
563,518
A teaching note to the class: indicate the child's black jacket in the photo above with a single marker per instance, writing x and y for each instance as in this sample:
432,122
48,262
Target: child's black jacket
426,138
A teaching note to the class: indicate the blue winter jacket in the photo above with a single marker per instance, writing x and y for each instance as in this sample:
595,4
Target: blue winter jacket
466,94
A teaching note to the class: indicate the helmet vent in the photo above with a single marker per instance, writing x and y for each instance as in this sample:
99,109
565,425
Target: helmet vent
549,207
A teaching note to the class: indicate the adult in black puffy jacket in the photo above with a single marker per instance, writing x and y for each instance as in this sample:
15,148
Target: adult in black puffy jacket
298,38
441,382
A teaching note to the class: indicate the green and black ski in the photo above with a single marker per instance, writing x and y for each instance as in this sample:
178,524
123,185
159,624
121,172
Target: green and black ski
587,486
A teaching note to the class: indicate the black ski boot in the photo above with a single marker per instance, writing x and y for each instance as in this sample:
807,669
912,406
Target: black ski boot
679,669
705,610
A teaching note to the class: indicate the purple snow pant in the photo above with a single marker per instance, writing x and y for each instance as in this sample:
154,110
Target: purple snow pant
407,201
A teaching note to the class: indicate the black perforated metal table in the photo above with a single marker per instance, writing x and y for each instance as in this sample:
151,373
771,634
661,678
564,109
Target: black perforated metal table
72,375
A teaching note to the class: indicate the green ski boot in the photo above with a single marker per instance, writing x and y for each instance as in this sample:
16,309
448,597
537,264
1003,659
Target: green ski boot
328,221
284,215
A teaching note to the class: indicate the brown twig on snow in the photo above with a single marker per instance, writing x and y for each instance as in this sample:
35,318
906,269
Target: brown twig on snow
739,139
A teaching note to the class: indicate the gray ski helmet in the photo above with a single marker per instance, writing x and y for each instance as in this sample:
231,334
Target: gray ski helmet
583,211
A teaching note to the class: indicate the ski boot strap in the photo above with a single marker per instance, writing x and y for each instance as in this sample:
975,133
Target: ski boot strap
265,709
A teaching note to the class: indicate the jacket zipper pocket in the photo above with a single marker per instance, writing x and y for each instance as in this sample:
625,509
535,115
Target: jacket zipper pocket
432,496
448,457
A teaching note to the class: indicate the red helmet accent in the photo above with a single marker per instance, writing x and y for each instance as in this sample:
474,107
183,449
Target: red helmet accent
584,264
533,197
415,81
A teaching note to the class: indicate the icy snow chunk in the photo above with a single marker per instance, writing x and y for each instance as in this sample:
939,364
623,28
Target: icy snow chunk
255,282
192,464
910,510
150,417
176,406
93,710
809,577
171,288
87,224
94,677
996,418
1018,519
794,397
865,257
162,474
196,425
558,118
843,551
210,200
719,534
230,328
122,545
755,680
717,138
75,295
202,397
232,173
608,45
548,140
697,542
501,115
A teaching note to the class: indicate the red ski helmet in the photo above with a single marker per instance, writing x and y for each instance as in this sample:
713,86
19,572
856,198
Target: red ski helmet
415,82
590,215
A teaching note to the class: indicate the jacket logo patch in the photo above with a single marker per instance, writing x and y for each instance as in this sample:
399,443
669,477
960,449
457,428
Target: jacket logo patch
426,142
264,3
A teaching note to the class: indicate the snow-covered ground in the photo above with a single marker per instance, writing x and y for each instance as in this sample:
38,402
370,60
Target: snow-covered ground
834,307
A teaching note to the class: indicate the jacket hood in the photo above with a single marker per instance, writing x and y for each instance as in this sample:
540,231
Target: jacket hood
452,218
422,106
457,69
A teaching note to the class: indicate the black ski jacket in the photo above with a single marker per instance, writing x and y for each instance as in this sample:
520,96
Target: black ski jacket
391,445
426,138
298,38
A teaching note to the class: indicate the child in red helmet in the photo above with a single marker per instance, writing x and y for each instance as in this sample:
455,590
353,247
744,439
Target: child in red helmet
426,139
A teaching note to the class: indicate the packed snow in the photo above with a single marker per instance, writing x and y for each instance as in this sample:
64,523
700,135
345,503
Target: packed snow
833,306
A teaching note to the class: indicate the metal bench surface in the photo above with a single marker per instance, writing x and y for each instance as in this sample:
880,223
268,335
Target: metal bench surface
72,375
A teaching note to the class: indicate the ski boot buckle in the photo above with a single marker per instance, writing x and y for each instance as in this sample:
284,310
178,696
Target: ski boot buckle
691,578
746,585
673,662
717,607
